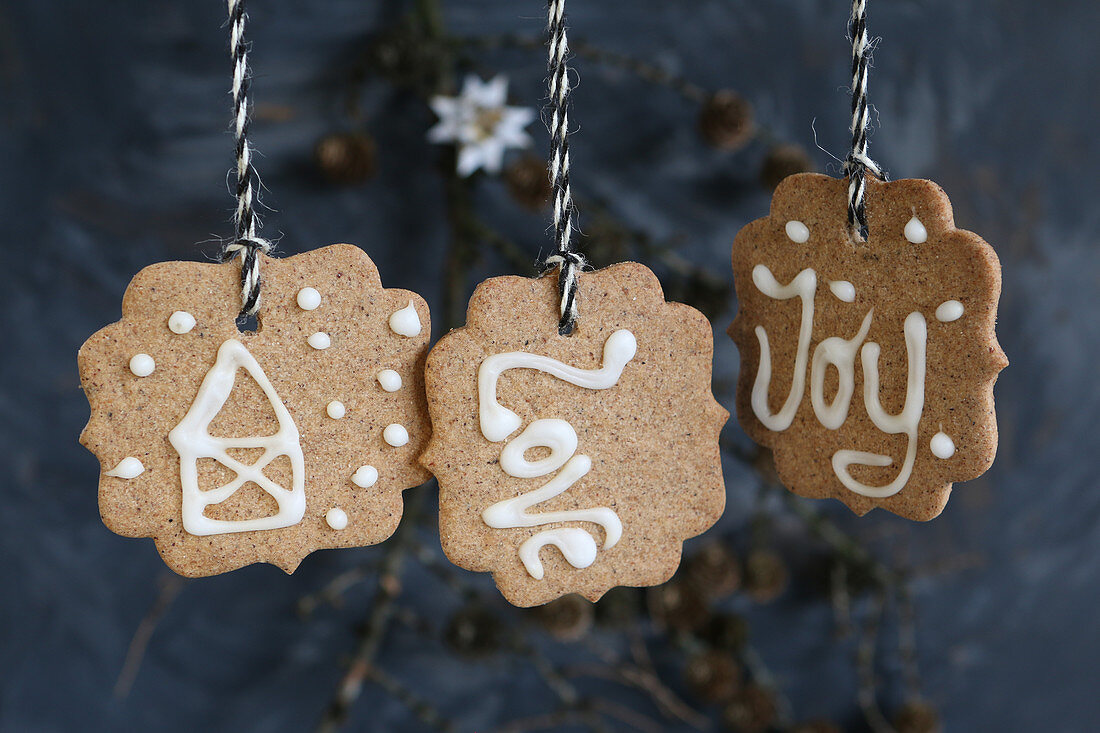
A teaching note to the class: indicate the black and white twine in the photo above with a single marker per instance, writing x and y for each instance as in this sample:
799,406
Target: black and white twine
246,244
568,262
858,163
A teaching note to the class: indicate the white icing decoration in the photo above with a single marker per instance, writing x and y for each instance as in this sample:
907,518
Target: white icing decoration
406,322
949,310
577,546
843,290
840,354
142,365
390,380
337,518
319,340
192,440
396,435
181,322
942,446
335,409
905,422
798,232
803,286
309,299
128,467
498,422
915,231
365,477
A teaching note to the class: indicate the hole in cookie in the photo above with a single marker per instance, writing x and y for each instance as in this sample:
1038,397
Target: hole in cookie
248,324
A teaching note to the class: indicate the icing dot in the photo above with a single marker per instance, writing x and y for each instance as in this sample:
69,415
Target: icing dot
337,518
320,340
396,435
798,232
949,310
365,476
128,467
142,365
390,380
308,299
915,231
181,322
942,446
843,290
406,322
336,410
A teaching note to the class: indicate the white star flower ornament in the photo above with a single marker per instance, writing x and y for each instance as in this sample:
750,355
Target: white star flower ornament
480,124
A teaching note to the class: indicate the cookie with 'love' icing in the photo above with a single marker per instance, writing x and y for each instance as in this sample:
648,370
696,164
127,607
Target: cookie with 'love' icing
868,366
572,464
230,448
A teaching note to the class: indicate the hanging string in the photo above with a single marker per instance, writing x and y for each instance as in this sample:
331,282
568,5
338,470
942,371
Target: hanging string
246,244
858,163
568,262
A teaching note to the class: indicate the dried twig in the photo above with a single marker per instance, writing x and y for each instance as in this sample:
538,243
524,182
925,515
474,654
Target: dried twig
170,587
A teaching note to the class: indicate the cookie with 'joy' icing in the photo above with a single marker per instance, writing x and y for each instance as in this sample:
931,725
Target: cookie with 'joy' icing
868,367
572,464
230,448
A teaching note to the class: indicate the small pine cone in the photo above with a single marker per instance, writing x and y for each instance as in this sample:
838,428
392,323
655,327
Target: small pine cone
781,161
678,606
917,716
528,182
817,726
473,632
765,576
726,631
346,157
619,607
752,710
714,571
568,618
713,676
726,120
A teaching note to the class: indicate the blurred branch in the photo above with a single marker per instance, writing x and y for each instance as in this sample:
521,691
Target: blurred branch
170,587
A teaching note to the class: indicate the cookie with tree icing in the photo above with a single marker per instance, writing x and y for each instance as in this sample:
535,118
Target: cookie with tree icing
572,464
228,447
868,367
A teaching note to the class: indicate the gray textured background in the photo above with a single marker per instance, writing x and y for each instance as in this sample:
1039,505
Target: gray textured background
114,150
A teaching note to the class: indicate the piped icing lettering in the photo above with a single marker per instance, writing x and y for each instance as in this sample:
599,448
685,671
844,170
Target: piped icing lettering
577,546
840,353
192,440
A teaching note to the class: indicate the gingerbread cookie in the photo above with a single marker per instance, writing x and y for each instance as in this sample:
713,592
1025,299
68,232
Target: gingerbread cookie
868,367
231,448
572,464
